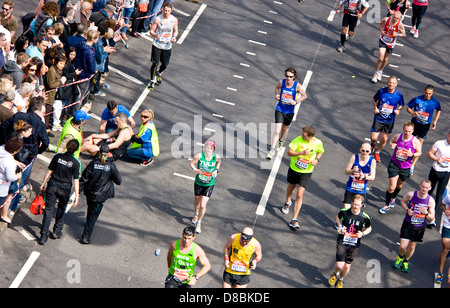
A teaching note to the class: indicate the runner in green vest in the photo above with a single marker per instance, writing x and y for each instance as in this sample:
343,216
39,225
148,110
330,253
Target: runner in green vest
146,143
181,260
72,130
206,166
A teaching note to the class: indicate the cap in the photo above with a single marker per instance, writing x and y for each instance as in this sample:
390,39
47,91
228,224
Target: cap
110,7
104,149
81,115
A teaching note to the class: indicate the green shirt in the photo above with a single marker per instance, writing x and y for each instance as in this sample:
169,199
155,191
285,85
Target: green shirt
302,163
182,267
207,167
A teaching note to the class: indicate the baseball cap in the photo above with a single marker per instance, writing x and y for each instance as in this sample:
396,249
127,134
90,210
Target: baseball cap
81,115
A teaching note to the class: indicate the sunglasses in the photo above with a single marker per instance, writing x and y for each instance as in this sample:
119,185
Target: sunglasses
5,9
287,76
365,151
144,117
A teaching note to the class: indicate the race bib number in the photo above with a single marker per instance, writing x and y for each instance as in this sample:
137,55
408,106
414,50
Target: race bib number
417,219
205,177
286,98
302,163
165,38
357,184
445,163
350,238
387,109
181,275
401,154
422,116
239,266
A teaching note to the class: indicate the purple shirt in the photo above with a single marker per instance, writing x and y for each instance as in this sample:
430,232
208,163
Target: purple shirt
417,219
400,157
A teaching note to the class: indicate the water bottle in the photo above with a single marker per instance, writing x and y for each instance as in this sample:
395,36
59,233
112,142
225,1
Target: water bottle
157,252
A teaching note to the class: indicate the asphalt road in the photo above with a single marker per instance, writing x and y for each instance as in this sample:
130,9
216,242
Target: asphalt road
220,79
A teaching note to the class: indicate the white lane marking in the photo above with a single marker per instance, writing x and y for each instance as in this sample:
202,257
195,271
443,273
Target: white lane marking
392,65
224,102
217,115
244,64
331,16
181,12
184,176
24,271
115,70
231,89
191,24
262,32
139,101
305,85
267,22
251,53
257,43
25,233
238,77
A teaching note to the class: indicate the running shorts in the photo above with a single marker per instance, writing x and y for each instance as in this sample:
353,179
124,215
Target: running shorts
445,232
421,130
349,21
394,170
285,118
161,55
345,253
301,179
381,44
378,127
233,279
409,232
205,191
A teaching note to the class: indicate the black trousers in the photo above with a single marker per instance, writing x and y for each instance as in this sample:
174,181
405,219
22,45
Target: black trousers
439,180
93,211
55,192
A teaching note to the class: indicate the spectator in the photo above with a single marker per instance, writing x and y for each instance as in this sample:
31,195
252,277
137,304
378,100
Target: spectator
44,18
69,94
7,20
7,174
15,68
23,94
67,17
38,50
3,53
53,81
7,109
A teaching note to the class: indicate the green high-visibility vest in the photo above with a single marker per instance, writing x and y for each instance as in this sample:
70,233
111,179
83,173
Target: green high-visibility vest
69,129
154,139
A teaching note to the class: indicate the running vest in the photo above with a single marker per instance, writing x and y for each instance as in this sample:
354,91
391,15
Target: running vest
417,219
400,157
154,139
207,167
68,129
241,257
182,267
352,7
165,30
359,186
389,29
286,95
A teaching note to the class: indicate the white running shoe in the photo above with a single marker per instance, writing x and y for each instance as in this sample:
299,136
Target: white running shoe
379,75
374,78
270,154
413,29
416,34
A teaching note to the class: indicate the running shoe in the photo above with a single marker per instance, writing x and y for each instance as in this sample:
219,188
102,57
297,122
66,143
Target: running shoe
341,49
405,267
413,29
285,208
438,278
270,154
398,262
294,224
340,284
198,227
158,79
411,171
379,75
416,34
392,203
384,209
151,85
194,219
377,157
332,280
146,163
280,145
374,78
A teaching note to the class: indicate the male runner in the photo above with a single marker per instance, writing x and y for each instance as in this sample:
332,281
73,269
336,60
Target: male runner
419,207
353,12
241,253
286,92
387,103
181,260
390,29
353,224
165,31
422,109
405,147
305,152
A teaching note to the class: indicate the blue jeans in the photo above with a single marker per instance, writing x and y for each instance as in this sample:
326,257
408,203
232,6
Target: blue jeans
25,180
126,16
140,153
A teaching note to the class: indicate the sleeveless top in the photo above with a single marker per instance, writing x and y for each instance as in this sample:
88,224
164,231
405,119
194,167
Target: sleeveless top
400,157
241,257
359,186
389,29
182,267
417,219
207,167
165,31
286,95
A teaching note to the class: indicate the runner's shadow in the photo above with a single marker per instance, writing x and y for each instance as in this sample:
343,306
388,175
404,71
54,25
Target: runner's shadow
313,274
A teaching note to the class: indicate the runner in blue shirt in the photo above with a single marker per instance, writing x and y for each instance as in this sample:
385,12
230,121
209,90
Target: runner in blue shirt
422,108
108,121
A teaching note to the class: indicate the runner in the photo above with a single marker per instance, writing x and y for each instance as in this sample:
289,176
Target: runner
353,12
419,207
445,235
241,253
387,103
353,224
206,166
440,170
360,169
422,109
305,152
165,31
405,147
286,93
390,29
419,8
397,5
181,260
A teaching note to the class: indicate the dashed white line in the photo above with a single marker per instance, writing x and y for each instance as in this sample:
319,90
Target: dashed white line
217,115
244,64
191,24
267,22
231,89
24,271
257,43
331,16
238,77
262,32
251,53
224,102
184,176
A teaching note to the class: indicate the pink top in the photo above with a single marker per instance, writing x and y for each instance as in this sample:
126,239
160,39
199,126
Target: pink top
420,2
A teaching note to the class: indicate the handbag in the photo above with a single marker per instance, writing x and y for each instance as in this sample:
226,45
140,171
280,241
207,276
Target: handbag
38,205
